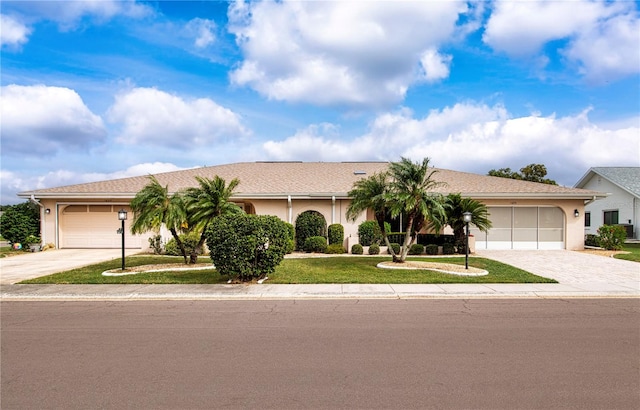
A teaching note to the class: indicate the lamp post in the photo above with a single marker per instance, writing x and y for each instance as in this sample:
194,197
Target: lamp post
122,215
466,217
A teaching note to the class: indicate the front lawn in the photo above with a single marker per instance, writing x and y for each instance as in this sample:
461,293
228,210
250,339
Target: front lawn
347,269
634,256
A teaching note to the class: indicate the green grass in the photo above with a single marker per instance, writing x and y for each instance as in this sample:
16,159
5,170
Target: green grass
346,269
9,251
634,256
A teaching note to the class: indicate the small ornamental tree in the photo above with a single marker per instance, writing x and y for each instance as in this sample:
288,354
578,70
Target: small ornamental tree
247,247
336,234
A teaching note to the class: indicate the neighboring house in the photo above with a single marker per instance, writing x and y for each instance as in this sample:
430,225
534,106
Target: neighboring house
525,215
621,206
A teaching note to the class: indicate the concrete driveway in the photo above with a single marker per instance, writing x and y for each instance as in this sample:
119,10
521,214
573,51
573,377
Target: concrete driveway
14,269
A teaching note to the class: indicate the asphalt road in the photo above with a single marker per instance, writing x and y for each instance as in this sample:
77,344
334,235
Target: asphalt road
396,354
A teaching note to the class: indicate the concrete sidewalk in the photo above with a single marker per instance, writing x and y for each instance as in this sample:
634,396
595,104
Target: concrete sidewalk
579,275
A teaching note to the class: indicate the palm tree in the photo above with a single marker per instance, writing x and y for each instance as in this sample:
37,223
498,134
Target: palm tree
370,193
153,206
207,201
410,192
455,206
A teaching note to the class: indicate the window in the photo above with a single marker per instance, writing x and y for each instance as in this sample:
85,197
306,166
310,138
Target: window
587,219
611,217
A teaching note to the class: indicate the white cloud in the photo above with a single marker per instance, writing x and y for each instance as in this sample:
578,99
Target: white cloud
435,65
13,33
42,120
363,53
151,116
602,37
203,31
475,138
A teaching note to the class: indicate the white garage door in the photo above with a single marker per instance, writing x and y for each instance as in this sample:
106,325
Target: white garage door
522,228
95,226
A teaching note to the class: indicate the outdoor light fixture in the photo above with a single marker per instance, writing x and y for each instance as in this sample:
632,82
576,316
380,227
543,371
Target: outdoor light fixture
47,211
122,216
466,217
576,213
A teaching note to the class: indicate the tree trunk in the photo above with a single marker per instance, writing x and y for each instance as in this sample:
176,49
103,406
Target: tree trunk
408,240
180,244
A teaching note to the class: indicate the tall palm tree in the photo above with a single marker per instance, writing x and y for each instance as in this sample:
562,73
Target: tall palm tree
154,206
370,193
410,192
455,206
211,198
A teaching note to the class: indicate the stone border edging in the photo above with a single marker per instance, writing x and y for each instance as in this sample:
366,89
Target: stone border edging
478,272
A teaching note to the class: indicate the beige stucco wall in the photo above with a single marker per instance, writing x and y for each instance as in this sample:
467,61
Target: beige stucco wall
335,212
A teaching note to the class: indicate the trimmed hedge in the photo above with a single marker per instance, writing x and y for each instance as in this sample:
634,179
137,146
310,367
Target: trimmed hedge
336,234
315,244
448,249
416,249
335,249
357,249
396,248
369,233
308,224
374,249
431,249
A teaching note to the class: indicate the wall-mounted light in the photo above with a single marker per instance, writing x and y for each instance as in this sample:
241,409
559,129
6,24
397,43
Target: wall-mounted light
576,213
47,211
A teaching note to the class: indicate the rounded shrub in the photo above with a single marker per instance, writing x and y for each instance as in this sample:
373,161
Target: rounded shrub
416,249
247,247
396,248
448,249
374,249
591,240
335,249
336,234
431,249
369,233
308,224
315,244
611,237
357,249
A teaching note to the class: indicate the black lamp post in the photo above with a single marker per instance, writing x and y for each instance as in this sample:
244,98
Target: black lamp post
466,217
122,215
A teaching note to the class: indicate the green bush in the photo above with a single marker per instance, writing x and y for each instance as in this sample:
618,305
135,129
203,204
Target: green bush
315,244
461,247
369,233
448,249
335,249
291,243
431,249
308,224
416,249
591,240
611,237
189,240
396,248
357,249
247,247
374,249
20,221
336,234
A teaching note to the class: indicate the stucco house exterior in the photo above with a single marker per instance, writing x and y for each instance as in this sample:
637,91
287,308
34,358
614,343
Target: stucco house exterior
622,204
525,215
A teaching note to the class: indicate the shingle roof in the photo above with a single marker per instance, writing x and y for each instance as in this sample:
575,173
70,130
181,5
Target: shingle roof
311,179
627,178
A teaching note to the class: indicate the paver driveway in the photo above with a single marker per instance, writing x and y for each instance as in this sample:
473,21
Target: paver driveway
570,267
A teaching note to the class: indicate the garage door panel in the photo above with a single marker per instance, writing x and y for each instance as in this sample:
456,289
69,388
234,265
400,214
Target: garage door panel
94,226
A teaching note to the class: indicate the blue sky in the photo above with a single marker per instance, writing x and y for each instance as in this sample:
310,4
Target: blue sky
95,90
